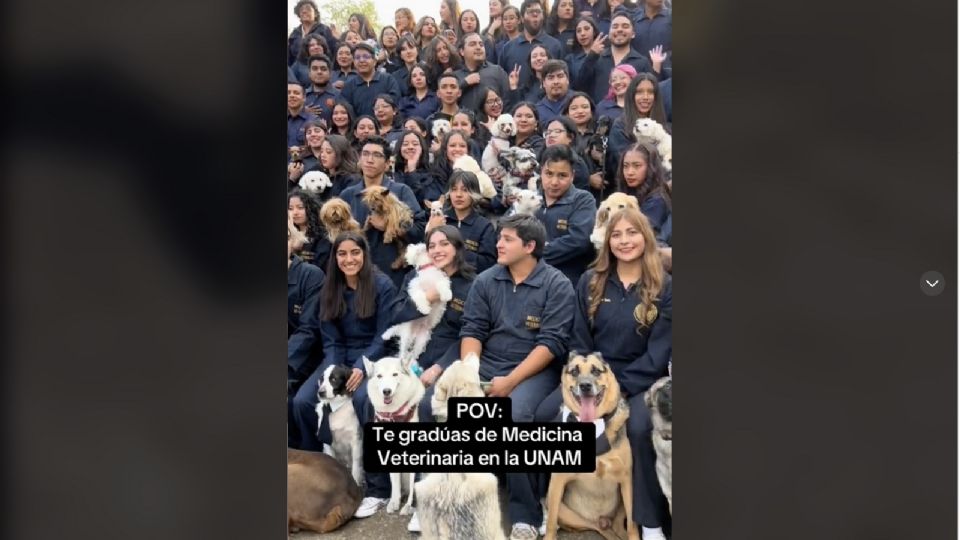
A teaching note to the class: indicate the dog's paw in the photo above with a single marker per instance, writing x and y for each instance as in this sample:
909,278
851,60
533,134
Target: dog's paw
406,510
393,506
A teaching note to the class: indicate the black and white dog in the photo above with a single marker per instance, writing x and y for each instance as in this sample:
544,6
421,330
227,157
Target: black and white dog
335,407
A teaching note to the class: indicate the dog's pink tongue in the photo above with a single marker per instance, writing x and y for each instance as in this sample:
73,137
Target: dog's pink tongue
588,410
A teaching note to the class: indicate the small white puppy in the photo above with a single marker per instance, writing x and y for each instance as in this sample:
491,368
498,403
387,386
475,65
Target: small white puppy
440,126
528,202
503,128
315,182
650,131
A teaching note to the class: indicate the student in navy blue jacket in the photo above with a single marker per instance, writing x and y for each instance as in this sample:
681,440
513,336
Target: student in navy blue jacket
599,11
361,89
517,51
561,23
412,166
339,161
454,144
304,347
586,32
625,311
561,131
310,23
447,252
373,163
409,53
567,214
642,101
463,198
420,100
594,75
640,174
653,26
518,318
303,209
357,304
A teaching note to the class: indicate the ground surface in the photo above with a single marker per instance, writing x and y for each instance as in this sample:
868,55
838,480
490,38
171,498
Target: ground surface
383,526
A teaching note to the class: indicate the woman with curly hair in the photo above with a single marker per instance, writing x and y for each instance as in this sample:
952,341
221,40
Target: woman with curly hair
624,312
641,174
425,31
440,56
309,15
303,209
533,92
403,20
313,45
358,23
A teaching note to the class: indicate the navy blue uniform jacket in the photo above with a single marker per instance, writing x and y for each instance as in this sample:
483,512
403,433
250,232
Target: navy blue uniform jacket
444,345
569,223
480,238
361,94
348,339
594,75
517,53
510,320
304,350
638,356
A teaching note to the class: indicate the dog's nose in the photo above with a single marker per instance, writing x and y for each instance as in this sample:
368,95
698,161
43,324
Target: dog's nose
586,388
387,392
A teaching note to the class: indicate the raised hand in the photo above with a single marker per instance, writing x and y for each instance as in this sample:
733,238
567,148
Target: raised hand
598,43
515,77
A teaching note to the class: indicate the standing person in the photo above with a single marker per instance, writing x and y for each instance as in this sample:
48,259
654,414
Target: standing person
597,10
361,90
409,53
654,28
594,77
624,312
373,166
640,174
560,23
512,29
320,97
425,31
441,57
303,210
358,23
493,32
516,53
404,21
464,198
344,68
449,14
641,101
297,115
567,214
420,101
517,320
357,303
613,103
585,32
478,73
556,87
304,346
339,161
309,15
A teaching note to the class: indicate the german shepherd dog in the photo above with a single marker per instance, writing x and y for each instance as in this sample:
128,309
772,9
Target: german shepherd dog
601,500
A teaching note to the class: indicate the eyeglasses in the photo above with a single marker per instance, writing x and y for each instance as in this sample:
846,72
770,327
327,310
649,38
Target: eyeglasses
494,101
362,57
368,154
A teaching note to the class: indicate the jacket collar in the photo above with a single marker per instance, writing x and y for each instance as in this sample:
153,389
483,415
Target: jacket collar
535,279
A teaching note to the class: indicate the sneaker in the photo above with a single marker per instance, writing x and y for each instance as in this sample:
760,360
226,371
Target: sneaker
543,524
653,534
523,531
369,507
414,525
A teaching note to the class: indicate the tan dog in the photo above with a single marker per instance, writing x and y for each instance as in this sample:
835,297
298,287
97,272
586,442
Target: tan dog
321,494
601,500
336,218
397,217
616,201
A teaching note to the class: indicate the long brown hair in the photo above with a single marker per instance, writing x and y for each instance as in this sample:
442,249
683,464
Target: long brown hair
332,304
651,277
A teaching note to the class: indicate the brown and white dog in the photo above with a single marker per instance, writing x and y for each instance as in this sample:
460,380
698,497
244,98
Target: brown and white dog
601,500
336,218
397,217
321,494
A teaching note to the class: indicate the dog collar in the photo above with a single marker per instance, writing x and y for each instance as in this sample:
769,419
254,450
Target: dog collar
402,415
600,425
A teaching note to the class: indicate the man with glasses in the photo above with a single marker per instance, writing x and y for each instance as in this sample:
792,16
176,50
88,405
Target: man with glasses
374,157
516,53
556,88
362,88
320,96
477,73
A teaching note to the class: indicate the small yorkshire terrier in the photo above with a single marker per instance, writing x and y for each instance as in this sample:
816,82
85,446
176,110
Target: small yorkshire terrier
397,216
336,218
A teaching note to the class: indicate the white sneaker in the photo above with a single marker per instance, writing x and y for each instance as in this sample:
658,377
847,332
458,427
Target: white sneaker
523,531
369,507
414,525
653,534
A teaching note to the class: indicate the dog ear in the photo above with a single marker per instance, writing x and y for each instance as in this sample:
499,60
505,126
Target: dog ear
599,356
368,366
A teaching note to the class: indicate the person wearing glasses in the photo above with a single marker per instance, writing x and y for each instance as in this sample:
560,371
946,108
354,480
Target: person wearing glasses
561,131
556,88
516,53
374,156
477,73
362,89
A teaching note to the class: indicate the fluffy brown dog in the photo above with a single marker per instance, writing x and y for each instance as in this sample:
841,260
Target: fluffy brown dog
601,500
336,218
321,494
616,201
397,217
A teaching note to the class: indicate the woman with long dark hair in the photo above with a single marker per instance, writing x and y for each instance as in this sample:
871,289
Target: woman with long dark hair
642,100
533,92
344,66
303,209
413,166
425,31
560,24
454,144
440,56
585,32
449,14
389,57
421,101
641,174
358,23
313,45
463,212
624,312
409,53
512,27
365,126
339,161
342,119
386,111
357,303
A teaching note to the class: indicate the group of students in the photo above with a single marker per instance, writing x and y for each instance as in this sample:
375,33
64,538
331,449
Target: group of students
527,290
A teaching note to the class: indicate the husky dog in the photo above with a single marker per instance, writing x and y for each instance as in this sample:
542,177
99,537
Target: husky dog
659,399
335,406
395,393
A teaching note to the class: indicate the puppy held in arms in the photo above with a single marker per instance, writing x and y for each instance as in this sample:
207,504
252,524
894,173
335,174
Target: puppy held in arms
414,335
659,400
395,393
601,500
454,506
335,414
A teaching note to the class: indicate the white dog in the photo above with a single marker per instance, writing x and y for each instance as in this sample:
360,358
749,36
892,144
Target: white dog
523,164
503,128
440,127
467,163
335,405
395,393
528,202
461,379
649,131
315,182
414,335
